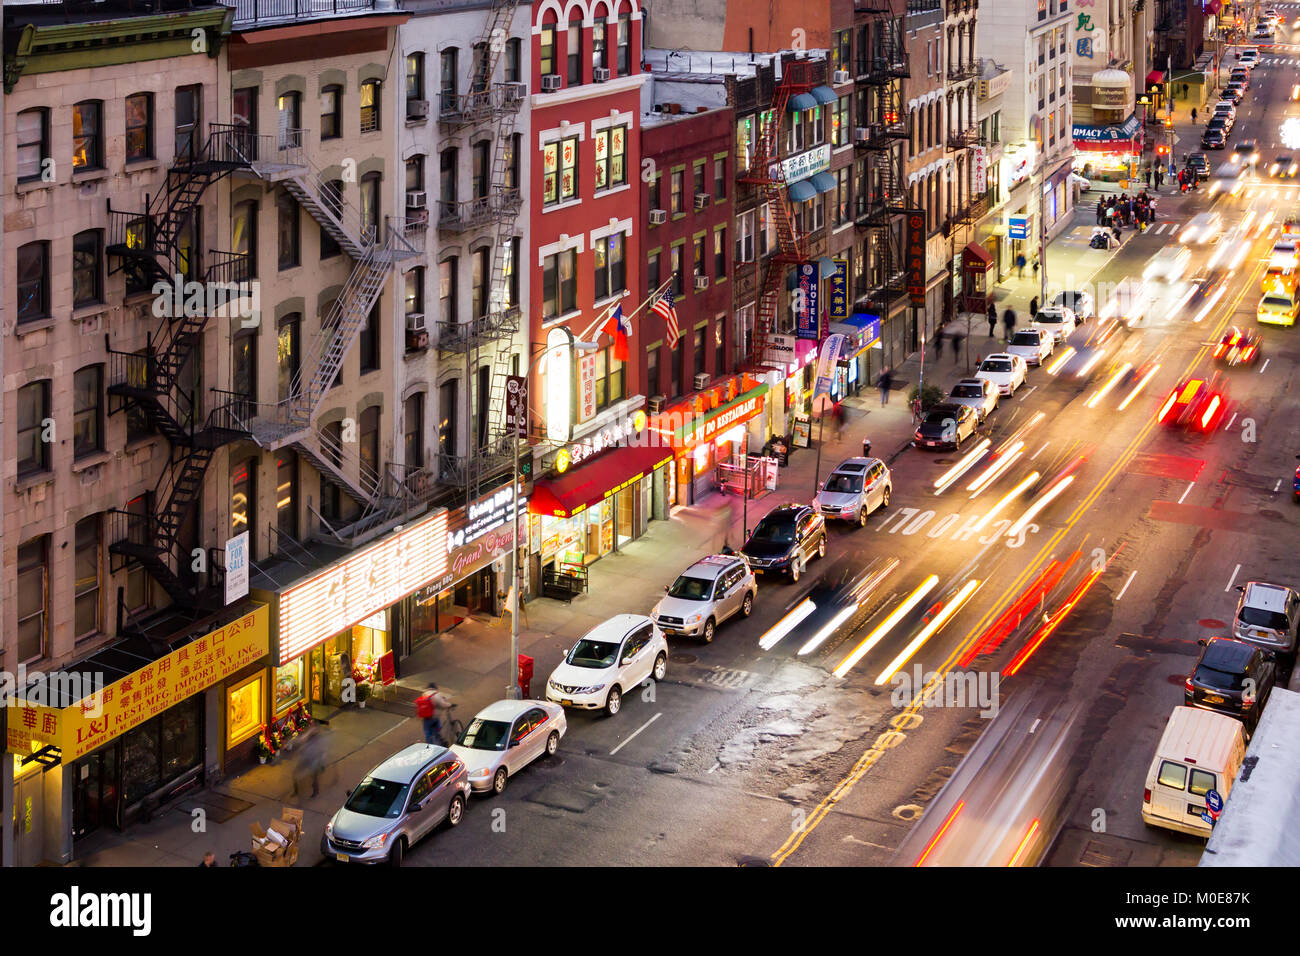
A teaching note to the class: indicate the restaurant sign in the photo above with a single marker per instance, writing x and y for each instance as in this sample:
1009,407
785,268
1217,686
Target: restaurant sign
802,165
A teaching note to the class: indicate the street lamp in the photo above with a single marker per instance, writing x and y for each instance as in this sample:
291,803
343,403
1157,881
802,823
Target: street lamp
512,688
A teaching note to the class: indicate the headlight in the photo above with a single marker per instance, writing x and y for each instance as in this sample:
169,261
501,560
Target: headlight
590,690
694,619
329,829
482,774
375,842
552,685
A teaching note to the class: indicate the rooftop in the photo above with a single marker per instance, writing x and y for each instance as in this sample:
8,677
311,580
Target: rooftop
704,66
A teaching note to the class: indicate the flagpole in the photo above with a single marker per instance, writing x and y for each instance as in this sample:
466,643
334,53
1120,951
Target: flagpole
627,315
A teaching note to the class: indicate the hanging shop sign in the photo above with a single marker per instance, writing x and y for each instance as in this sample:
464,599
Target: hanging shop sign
806,304
586,386
832,349
1018,227
747,406
839,308
794,168
110,712
1120,134
237,567
559,385
914,255
347,593
780,351
517,404
980,169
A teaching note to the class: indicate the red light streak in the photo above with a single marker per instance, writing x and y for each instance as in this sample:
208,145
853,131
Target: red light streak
1046,630
938,836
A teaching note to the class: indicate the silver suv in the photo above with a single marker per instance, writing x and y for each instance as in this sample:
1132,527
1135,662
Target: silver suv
706,594
857,487
400,801
1267,615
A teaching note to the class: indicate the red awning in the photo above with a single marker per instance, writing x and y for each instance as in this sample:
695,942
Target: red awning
1120,146
975,251
1156,76
594,481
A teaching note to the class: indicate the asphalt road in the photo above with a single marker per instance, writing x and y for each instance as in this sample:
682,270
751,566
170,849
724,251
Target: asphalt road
753,750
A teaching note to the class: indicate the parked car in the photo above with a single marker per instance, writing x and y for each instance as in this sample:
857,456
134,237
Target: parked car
945,425
1078,301
1032,344
1233,678
856,488
396,804
1056,321
1267,616
1007,372
1199,164
612,658
976,393
1213,139
787,538
507,736
707,593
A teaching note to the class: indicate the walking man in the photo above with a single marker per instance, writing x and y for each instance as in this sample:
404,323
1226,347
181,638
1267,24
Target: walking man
886,382
1008,323
1160,177
1101,209
993,319
1193,114
1020,265
1148,177
957,339
1033,308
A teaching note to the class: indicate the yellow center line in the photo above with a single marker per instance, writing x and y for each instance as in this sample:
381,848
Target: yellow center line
874,753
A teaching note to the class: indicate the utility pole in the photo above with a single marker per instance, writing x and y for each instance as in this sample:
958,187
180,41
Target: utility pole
1042,241
513,691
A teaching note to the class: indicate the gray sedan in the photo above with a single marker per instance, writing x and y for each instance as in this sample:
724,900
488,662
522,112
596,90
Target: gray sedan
507,736
976,394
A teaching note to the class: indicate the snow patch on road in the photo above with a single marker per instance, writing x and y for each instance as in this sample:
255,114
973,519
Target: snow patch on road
805,727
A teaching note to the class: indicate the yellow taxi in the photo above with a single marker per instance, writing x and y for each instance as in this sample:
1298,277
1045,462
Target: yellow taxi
1277,307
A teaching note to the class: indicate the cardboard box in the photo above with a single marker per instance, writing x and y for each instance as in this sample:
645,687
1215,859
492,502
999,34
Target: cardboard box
292,815
285,829
270,856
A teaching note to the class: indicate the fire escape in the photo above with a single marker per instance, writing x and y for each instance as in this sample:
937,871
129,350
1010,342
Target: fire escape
879,213
489,448
382,496
766,174
160,244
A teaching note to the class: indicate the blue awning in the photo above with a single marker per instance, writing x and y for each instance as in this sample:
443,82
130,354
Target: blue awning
822,182
826,267
800,102
824,94
802,191
868,326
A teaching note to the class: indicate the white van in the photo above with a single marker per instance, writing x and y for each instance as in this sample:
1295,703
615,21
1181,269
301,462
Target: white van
1199,751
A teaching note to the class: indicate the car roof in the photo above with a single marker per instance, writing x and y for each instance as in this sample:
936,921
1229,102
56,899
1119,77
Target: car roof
1005,356
947,408
616,628
405,765
506,709
789,509
1269,597
711,565
855,466
1223,653
972,381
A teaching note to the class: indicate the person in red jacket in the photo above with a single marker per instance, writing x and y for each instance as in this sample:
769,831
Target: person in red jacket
427,706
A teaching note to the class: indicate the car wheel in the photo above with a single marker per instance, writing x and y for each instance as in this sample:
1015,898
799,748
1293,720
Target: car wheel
661,666
956,445
863,513
552,743
456,811
794,570
614,702
747,606
884,499
709,628
398,852
499,780
821,547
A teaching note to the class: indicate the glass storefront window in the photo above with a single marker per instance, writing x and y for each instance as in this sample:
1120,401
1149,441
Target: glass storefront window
140,774
244,709
182,746
289,684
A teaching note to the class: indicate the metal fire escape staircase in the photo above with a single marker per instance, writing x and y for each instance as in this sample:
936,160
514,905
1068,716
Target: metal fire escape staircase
148,247
765,173
490,452
880,212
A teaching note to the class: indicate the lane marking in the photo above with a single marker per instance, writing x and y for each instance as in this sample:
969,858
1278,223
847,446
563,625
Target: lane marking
1031,390
635,732
1126,584
1278,485
1264,366
1186,491
1034,725
716,765
1232,579
1040,451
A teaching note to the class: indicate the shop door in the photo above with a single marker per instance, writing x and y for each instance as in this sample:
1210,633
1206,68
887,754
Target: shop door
29,820
94,792
625,515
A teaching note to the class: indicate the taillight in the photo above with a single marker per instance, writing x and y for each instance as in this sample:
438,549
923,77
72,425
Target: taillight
1146,795
1169,403
1209,412
1187,685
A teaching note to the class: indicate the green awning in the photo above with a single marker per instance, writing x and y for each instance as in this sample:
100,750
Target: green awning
800,102
822,182
824,95
802,191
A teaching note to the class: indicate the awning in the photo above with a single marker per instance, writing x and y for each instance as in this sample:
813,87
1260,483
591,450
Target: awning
594,481
826,267
1115,138
824,95
800,102
1156,76
802,191
868,326
823,182
976,251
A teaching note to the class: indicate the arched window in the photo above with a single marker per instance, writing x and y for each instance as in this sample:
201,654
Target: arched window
573,47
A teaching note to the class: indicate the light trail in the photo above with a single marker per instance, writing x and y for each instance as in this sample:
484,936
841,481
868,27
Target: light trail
887,625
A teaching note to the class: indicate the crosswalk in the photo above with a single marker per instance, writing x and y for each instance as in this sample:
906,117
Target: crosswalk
1160,228
1279,61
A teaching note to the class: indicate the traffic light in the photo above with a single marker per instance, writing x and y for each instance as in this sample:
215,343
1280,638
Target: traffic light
1162,150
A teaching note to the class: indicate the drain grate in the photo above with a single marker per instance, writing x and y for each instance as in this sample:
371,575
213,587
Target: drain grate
1096,853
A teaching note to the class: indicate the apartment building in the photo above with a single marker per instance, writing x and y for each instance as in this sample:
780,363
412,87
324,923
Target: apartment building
1179,34
989,164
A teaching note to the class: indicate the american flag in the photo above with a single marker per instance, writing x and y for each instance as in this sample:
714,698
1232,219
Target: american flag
665,309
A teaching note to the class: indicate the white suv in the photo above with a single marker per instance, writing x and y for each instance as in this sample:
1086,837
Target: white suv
609,660
854,489
706,594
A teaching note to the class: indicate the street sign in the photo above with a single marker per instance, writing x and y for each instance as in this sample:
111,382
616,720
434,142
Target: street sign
1017,227
517,404
1214,800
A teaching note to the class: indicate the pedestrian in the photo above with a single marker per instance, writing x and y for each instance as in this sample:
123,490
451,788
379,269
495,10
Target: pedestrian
1110,214
1185,89
427,706
1020,265
993,319
1160,177
1101,210
1193,114
1033,308
209,860
957,339
886,382
1148,175
1008,323
1035,268
311,761
1115,229
839,419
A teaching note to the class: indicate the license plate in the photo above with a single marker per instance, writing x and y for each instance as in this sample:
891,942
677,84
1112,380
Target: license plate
566,703
1213,699
668,630
342,857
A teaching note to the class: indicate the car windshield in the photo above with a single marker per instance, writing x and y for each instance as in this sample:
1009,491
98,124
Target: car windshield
781,532
485,734
1258,617
1025,338
967,391
378,798
844,484
595,654
996,365
1219,680
1277,302
1050,317
691,589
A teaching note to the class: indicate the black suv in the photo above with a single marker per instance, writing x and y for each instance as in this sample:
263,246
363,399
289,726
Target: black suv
1233,678
787,538
1199,163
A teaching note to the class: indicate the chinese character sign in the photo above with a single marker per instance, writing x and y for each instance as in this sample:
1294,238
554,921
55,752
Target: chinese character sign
839,310
806,304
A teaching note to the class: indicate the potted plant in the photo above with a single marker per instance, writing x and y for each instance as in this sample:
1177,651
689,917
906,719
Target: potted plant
363,692
267,744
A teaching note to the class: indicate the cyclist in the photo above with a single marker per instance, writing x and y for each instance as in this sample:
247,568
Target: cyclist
428,707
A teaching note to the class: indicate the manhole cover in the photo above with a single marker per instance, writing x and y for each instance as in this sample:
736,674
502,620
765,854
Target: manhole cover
753,861
679,658
1096,853
1211,622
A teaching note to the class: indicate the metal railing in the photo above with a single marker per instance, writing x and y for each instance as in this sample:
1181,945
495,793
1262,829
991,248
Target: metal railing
458,336
460,108
500,202
260,11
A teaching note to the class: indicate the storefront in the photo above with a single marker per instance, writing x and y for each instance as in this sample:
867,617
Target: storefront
147,731
1109,153
714,427
865,362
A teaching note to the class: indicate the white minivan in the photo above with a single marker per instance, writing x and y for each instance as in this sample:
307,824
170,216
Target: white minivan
1199,751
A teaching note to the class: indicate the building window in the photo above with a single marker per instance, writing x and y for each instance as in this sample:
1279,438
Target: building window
697,179
414,177
559,171
33,143
842,196
139,126
370,448
652,371
447,289
286,211
675,264
370,203
243,110
447,177
816,127
598,28
676,184
414,76
87,411
243,499
243,232
698,365
87,284
720,253
512,148
86,571
744,144
720,345
413,431
795,139
479,274
286,494
186,125
610,379
447,431
88,135
624,44
368,342
413,295
611,157
478,77
573,46
652,272
745,237
332,194
674,374
514,61
719,180
289,116
33,597
546,50
840,51
510,272
243,364
698,268
840,126
448,81
370,106
331,124
33,418
559,284
483,403
611,270
481,169
287,355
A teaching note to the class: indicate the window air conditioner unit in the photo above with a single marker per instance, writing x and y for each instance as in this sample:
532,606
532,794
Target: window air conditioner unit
415,322
515,92
657,403
550,82
702,381
417,341
860,134
701,200
599,74
701,283
658,217
839,77
415,199
417,109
